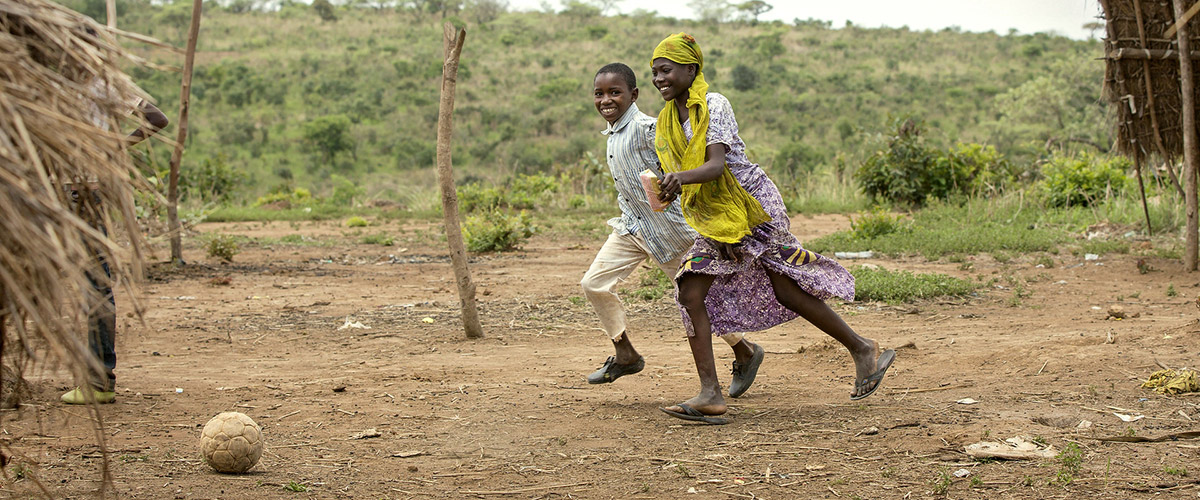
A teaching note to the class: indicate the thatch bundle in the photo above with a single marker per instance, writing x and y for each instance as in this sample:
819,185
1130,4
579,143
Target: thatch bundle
62,97
1142,77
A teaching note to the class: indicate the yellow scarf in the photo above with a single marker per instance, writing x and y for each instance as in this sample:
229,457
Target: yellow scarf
719,209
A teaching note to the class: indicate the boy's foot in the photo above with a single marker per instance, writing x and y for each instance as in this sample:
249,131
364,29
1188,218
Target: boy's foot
744,372
870,367
82,396
612,370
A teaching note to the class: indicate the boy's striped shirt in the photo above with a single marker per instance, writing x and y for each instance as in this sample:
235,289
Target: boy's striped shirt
630,151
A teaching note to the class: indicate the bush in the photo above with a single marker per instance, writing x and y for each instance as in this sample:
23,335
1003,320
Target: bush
357,221
1082,179
909,172
744,78
377,239
222,246
523,192
281,198
496,231
874,224
213,181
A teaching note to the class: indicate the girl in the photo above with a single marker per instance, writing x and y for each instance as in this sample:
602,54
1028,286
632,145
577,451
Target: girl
746,272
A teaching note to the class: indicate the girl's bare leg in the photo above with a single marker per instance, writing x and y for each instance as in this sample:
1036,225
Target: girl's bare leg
865,351
693,288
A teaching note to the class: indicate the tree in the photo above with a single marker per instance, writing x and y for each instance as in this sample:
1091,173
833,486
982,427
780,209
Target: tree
325,10
754,8
606,7
486,11
580,9
711,10
329,135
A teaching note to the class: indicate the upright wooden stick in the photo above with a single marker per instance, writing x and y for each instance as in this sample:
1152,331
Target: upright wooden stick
1162,150
458,257
110,12
1191,151
177,155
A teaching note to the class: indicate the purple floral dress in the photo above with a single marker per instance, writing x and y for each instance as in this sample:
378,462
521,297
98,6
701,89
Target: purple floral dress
741,298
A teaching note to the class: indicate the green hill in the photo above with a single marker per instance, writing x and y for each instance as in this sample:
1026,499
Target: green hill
289,98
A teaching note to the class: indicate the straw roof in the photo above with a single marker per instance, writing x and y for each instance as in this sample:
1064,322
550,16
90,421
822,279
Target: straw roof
1141,80
61,92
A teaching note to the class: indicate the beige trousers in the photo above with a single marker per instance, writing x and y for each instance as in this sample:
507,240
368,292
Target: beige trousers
615,261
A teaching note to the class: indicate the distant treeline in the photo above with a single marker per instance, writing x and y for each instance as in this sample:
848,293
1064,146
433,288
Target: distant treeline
293,94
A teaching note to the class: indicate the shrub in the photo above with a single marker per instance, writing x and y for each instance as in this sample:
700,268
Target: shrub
284,199
222,246
377,239
213,181
357,221
874,224
744,78
910,172
523,192
496,231
1082,179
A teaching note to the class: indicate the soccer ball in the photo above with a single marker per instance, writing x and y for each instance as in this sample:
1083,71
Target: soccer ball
231,443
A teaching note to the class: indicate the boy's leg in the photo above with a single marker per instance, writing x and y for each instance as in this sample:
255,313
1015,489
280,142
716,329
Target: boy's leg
102,328
617,259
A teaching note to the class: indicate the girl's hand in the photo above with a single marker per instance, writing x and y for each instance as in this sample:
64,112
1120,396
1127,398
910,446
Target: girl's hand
669,187
726,251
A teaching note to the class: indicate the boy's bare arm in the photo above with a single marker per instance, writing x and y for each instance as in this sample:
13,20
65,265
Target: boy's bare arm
155,119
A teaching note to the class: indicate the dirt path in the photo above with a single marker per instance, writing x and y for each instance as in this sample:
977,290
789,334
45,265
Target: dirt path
510,416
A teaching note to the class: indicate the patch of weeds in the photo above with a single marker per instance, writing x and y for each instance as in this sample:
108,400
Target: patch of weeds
645,487
1130,431
1045,261
292,239
1002,257
380,238
497,231
654,285
839,481
296,487
134,458
1135,295
1070,460
20,471
888,472
1101,247
966,266
941,483
576,300
222,246
873,224
357,221
896,287
683,470
1172,471
1171,290
1028,481
976,482
1172,253
1019,293
956,258
1038,440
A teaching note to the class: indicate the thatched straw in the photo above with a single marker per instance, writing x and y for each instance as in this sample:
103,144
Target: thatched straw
57,132
1131,64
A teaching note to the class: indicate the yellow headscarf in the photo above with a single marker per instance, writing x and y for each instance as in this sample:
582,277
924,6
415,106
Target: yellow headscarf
719,209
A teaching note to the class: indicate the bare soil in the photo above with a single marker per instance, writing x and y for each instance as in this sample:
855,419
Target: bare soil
510,415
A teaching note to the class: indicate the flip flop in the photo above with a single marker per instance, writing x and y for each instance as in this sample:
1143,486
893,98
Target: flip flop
743,376
885,359
692,414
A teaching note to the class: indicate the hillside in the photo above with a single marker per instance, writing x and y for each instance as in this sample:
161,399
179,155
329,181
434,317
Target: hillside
289,98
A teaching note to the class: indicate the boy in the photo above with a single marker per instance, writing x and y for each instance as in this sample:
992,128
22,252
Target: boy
102,313
639,232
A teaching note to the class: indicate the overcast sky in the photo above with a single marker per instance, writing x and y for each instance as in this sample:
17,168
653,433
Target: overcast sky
1064,17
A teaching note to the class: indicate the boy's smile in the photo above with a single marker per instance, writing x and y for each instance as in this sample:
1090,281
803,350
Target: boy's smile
671,78
613,96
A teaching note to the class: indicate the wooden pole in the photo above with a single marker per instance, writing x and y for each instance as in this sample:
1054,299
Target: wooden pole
458,256
177,155
1191,151
1162,149
110,12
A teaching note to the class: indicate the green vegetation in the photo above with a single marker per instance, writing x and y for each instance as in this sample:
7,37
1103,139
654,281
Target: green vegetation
941,483
377,239
1070,462
222,246
296,96
357,221
653,285
293,486
896,287
496,231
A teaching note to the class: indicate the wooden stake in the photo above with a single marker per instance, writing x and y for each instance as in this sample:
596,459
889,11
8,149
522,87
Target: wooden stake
1162,149
458,257
1137,166
110,12
177,155
1191,151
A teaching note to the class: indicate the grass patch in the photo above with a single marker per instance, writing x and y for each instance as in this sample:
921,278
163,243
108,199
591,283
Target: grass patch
377,239
653,285
896,287
1101,247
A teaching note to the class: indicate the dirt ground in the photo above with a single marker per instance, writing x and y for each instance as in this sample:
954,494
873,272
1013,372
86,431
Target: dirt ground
510,415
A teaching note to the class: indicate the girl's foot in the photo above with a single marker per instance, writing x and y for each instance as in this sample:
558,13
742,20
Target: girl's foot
869,368
708,402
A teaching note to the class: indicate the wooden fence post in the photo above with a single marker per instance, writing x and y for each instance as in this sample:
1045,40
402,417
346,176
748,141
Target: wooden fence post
1191,151
177,154
458,258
